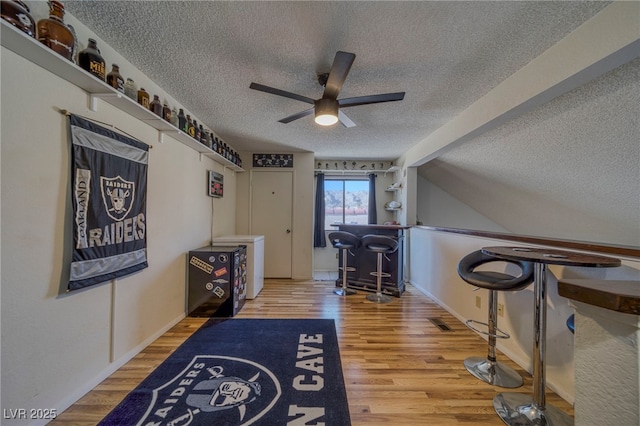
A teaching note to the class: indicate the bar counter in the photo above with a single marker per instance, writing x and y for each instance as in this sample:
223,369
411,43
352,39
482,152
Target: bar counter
365,262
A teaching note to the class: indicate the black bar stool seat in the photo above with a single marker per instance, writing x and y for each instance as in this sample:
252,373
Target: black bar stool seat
488,369
344,241
381,245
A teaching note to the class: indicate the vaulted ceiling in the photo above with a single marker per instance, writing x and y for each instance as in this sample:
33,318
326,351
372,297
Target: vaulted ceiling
444,55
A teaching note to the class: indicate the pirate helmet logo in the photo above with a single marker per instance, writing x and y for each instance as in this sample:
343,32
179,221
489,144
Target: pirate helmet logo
204,393
118,196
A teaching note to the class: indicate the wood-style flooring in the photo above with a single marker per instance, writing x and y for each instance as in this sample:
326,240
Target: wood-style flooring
399,368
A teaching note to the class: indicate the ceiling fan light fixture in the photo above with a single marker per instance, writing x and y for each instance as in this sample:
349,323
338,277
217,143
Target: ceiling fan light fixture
326,113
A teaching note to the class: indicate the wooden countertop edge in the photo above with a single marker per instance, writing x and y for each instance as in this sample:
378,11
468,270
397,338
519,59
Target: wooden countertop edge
616,295
619,250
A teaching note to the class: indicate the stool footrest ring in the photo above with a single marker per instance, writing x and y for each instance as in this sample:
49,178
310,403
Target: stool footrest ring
499,334
348,269
382,274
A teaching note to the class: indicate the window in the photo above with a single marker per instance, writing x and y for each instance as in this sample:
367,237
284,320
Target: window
346,201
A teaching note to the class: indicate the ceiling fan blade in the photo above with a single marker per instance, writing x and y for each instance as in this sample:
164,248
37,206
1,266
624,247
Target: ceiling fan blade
267,89
346,121
371,99
295,116
338,74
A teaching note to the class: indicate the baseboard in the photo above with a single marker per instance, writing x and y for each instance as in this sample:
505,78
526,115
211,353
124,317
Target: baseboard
112,368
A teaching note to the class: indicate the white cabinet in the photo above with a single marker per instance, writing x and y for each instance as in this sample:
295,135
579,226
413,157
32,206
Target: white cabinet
255,259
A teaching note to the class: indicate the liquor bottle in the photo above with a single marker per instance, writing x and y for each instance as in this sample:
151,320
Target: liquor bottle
203,136
207,138
91,61
196,130
166,112
182,121
131,90
155,106
190,130
214,142
18,14
53,33
114,79
174,117
143,98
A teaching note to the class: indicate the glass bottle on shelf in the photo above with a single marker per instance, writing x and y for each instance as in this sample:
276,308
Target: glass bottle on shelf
91,61
18,14
182,120
131,90
174,117
155,106
203,136
189,127
166,112
143,98
114,79
53,33
214,143
196,131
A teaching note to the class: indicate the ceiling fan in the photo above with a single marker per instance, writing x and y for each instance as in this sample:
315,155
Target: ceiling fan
327,109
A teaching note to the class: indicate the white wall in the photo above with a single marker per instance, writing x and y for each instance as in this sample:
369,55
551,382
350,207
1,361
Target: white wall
55,346
438,208
433,259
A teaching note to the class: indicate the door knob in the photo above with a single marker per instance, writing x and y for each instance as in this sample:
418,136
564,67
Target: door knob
288,231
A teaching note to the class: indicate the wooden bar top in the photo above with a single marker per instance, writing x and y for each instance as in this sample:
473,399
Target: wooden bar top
616,295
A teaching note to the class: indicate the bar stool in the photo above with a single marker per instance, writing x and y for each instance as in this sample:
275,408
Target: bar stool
488,369
381,245
344,241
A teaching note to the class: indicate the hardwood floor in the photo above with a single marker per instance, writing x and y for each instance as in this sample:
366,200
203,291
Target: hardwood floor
399,367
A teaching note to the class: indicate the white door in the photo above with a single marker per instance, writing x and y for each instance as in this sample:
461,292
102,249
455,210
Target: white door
271,216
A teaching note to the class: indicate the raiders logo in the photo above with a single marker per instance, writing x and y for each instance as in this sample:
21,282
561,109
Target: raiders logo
117,196
214,389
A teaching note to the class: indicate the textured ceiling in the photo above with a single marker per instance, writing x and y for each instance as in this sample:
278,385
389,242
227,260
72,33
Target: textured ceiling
570,169
444,55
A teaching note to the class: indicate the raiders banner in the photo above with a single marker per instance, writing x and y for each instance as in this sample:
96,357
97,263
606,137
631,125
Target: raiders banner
109,186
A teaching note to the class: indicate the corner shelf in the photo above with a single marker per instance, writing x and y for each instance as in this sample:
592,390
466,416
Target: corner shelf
32,50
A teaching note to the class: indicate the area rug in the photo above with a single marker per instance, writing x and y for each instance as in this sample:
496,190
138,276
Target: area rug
244,372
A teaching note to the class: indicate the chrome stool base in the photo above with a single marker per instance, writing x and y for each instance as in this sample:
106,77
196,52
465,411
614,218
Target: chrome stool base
379,298
517,409
493,372
344,291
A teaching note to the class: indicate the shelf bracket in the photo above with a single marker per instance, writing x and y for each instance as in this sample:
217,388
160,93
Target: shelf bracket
161,137
93,103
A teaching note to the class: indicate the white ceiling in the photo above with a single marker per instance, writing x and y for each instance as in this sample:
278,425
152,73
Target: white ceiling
444,55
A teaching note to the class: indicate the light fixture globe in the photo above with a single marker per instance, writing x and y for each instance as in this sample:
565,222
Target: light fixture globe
326,113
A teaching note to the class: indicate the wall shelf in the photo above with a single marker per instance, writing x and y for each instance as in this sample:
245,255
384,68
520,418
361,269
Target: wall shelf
33,51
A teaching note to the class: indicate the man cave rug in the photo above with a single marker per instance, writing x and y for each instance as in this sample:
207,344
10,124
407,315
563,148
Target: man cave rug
244,372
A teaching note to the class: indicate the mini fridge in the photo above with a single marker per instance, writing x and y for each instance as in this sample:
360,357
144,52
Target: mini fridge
255,259
217,283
